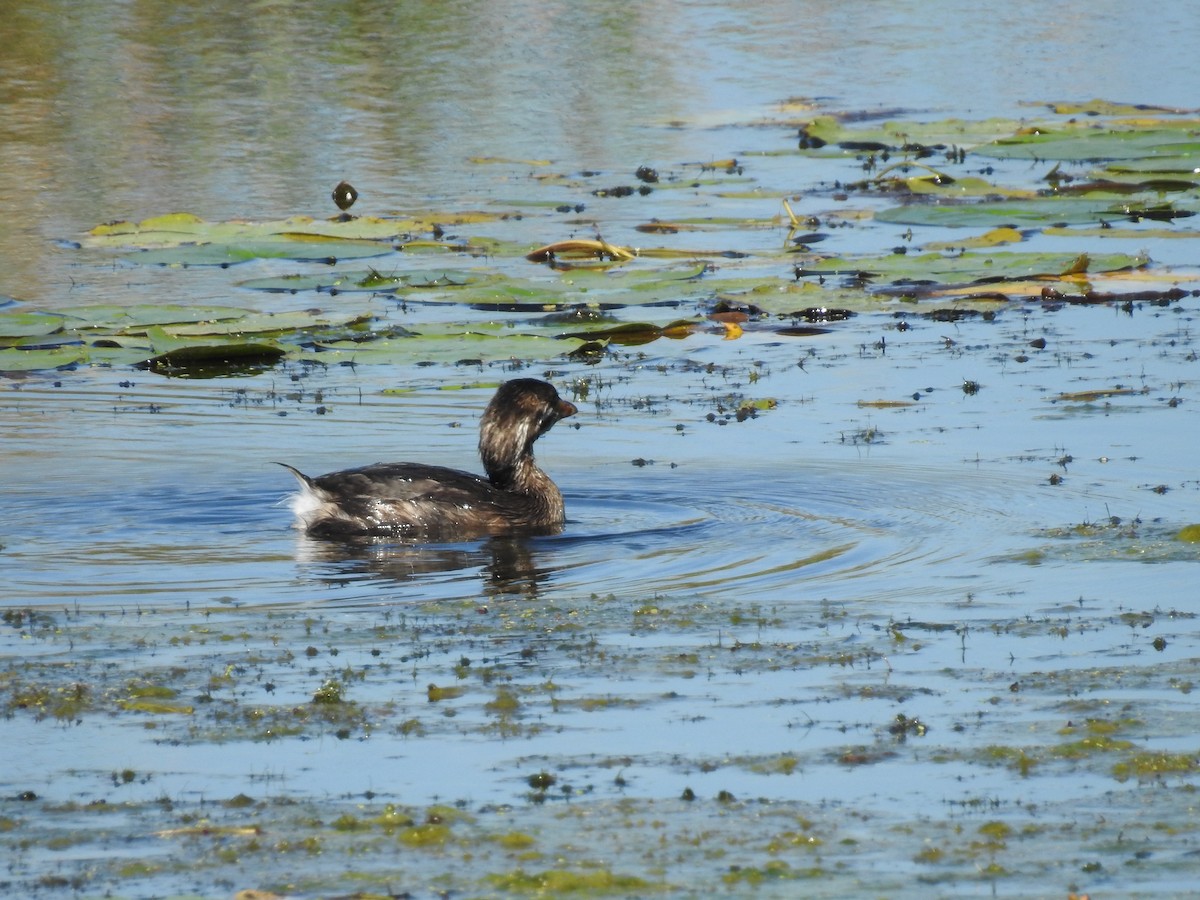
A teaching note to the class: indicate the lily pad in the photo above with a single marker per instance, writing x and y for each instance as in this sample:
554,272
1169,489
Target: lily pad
1044,212
1173,165
370,281
831,135
19,360
1099,107
270,323
970,266
182,239
209,360
633,334
183,228
231,254
994,238
135,319
476,344
1127,234
28,324
1080,144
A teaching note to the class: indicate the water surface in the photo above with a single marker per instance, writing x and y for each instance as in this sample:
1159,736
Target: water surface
739,609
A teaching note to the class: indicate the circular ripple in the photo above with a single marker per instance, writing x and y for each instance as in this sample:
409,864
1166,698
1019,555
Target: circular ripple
862,530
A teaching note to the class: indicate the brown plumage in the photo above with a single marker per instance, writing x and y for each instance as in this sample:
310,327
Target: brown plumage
435,502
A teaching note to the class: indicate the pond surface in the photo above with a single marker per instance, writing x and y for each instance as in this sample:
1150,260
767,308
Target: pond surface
897,606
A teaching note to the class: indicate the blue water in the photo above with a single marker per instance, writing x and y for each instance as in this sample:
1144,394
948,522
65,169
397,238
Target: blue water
784,584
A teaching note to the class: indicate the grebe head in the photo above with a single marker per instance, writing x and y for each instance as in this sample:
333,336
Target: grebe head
522,411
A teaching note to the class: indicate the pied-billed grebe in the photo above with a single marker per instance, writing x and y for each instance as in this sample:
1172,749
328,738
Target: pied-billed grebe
433,501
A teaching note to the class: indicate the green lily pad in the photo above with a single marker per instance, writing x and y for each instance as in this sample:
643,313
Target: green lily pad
210,359
1100,107
971,267
446,344
960,190
231,254
214,362
1073,140
1159,165
1079,144
369,281
135,319
270,323
175,229
633,334
14,359
797,297
830,135
118,233
518,295
181,239
29,324
647,285
1046,211
1128,234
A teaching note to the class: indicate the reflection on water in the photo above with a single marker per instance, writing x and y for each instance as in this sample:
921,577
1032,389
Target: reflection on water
257,110
496,568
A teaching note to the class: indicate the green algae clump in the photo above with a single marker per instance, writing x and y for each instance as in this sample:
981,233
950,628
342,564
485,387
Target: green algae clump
1156,765
1189,534
553,882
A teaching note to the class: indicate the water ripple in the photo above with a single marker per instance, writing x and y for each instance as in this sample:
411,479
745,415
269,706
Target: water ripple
866,529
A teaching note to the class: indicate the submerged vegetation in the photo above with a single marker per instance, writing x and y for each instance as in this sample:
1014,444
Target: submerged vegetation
282,681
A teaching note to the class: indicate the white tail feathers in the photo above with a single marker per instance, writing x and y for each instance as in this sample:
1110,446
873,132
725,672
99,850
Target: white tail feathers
308,502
